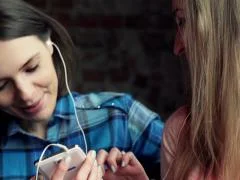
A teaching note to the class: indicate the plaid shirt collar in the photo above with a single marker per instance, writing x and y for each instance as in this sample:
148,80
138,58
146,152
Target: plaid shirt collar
65,108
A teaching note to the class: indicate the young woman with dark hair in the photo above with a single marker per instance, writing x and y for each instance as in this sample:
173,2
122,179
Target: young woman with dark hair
36,109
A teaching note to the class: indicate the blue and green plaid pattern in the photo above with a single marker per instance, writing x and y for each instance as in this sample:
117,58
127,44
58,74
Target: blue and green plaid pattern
108,120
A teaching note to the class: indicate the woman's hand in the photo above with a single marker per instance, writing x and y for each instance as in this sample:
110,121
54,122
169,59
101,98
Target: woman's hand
88,171
121,165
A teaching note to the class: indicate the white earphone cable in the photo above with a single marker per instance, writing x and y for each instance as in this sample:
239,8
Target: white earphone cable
68,89
75,112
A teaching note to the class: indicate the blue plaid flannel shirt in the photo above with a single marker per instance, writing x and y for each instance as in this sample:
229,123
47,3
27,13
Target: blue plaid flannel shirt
108,120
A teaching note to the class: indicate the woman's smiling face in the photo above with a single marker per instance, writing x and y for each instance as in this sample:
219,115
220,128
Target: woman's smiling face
28,80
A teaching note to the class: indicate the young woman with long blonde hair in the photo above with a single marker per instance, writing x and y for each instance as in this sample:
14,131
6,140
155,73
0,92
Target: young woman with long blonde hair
202,139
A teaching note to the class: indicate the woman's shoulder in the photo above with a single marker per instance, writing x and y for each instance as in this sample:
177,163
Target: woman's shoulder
100,99
178,118
173,127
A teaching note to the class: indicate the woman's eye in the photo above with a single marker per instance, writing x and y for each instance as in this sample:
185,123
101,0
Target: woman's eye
180,22
3,85
32,69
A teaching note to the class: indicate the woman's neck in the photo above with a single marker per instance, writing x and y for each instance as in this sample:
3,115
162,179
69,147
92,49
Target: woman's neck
39,129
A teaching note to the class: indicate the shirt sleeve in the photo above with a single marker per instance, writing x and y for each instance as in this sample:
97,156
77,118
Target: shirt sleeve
171,133
145,128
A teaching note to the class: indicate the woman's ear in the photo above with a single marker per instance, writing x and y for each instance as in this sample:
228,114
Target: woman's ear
50,46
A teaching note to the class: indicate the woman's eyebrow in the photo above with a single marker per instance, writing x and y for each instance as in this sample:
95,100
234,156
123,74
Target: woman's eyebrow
29,60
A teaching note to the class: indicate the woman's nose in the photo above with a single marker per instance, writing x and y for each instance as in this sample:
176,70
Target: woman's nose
179,47
24,91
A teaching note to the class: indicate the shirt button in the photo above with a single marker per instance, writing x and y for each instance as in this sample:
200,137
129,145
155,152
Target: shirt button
113,104
99,107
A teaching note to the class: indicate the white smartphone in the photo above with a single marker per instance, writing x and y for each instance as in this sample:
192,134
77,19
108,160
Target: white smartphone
48,166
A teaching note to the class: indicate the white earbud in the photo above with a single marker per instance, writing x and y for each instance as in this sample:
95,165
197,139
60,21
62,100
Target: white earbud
49,42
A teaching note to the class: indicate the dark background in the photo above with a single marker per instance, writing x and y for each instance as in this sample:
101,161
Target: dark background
125,46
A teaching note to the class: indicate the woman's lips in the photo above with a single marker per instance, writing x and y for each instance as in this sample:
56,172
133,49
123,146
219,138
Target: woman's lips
35,108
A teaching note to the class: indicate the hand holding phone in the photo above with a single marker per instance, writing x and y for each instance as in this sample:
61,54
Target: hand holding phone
48,166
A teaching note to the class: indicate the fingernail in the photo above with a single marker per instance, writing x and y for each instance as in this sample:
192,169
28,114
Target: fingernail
113,169
93,154
102,169
123,152
123,164
100,172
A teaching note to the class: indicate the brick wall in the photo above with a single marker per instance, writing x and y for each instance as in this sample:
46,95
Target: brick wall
124,46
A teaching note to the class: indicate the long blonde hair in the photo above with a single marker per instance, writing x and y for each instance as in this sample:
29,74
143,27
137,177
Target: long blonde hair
211,139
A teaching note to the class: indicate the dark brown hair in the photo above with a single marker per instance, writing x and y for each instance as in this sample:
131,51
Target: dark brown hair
18,19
